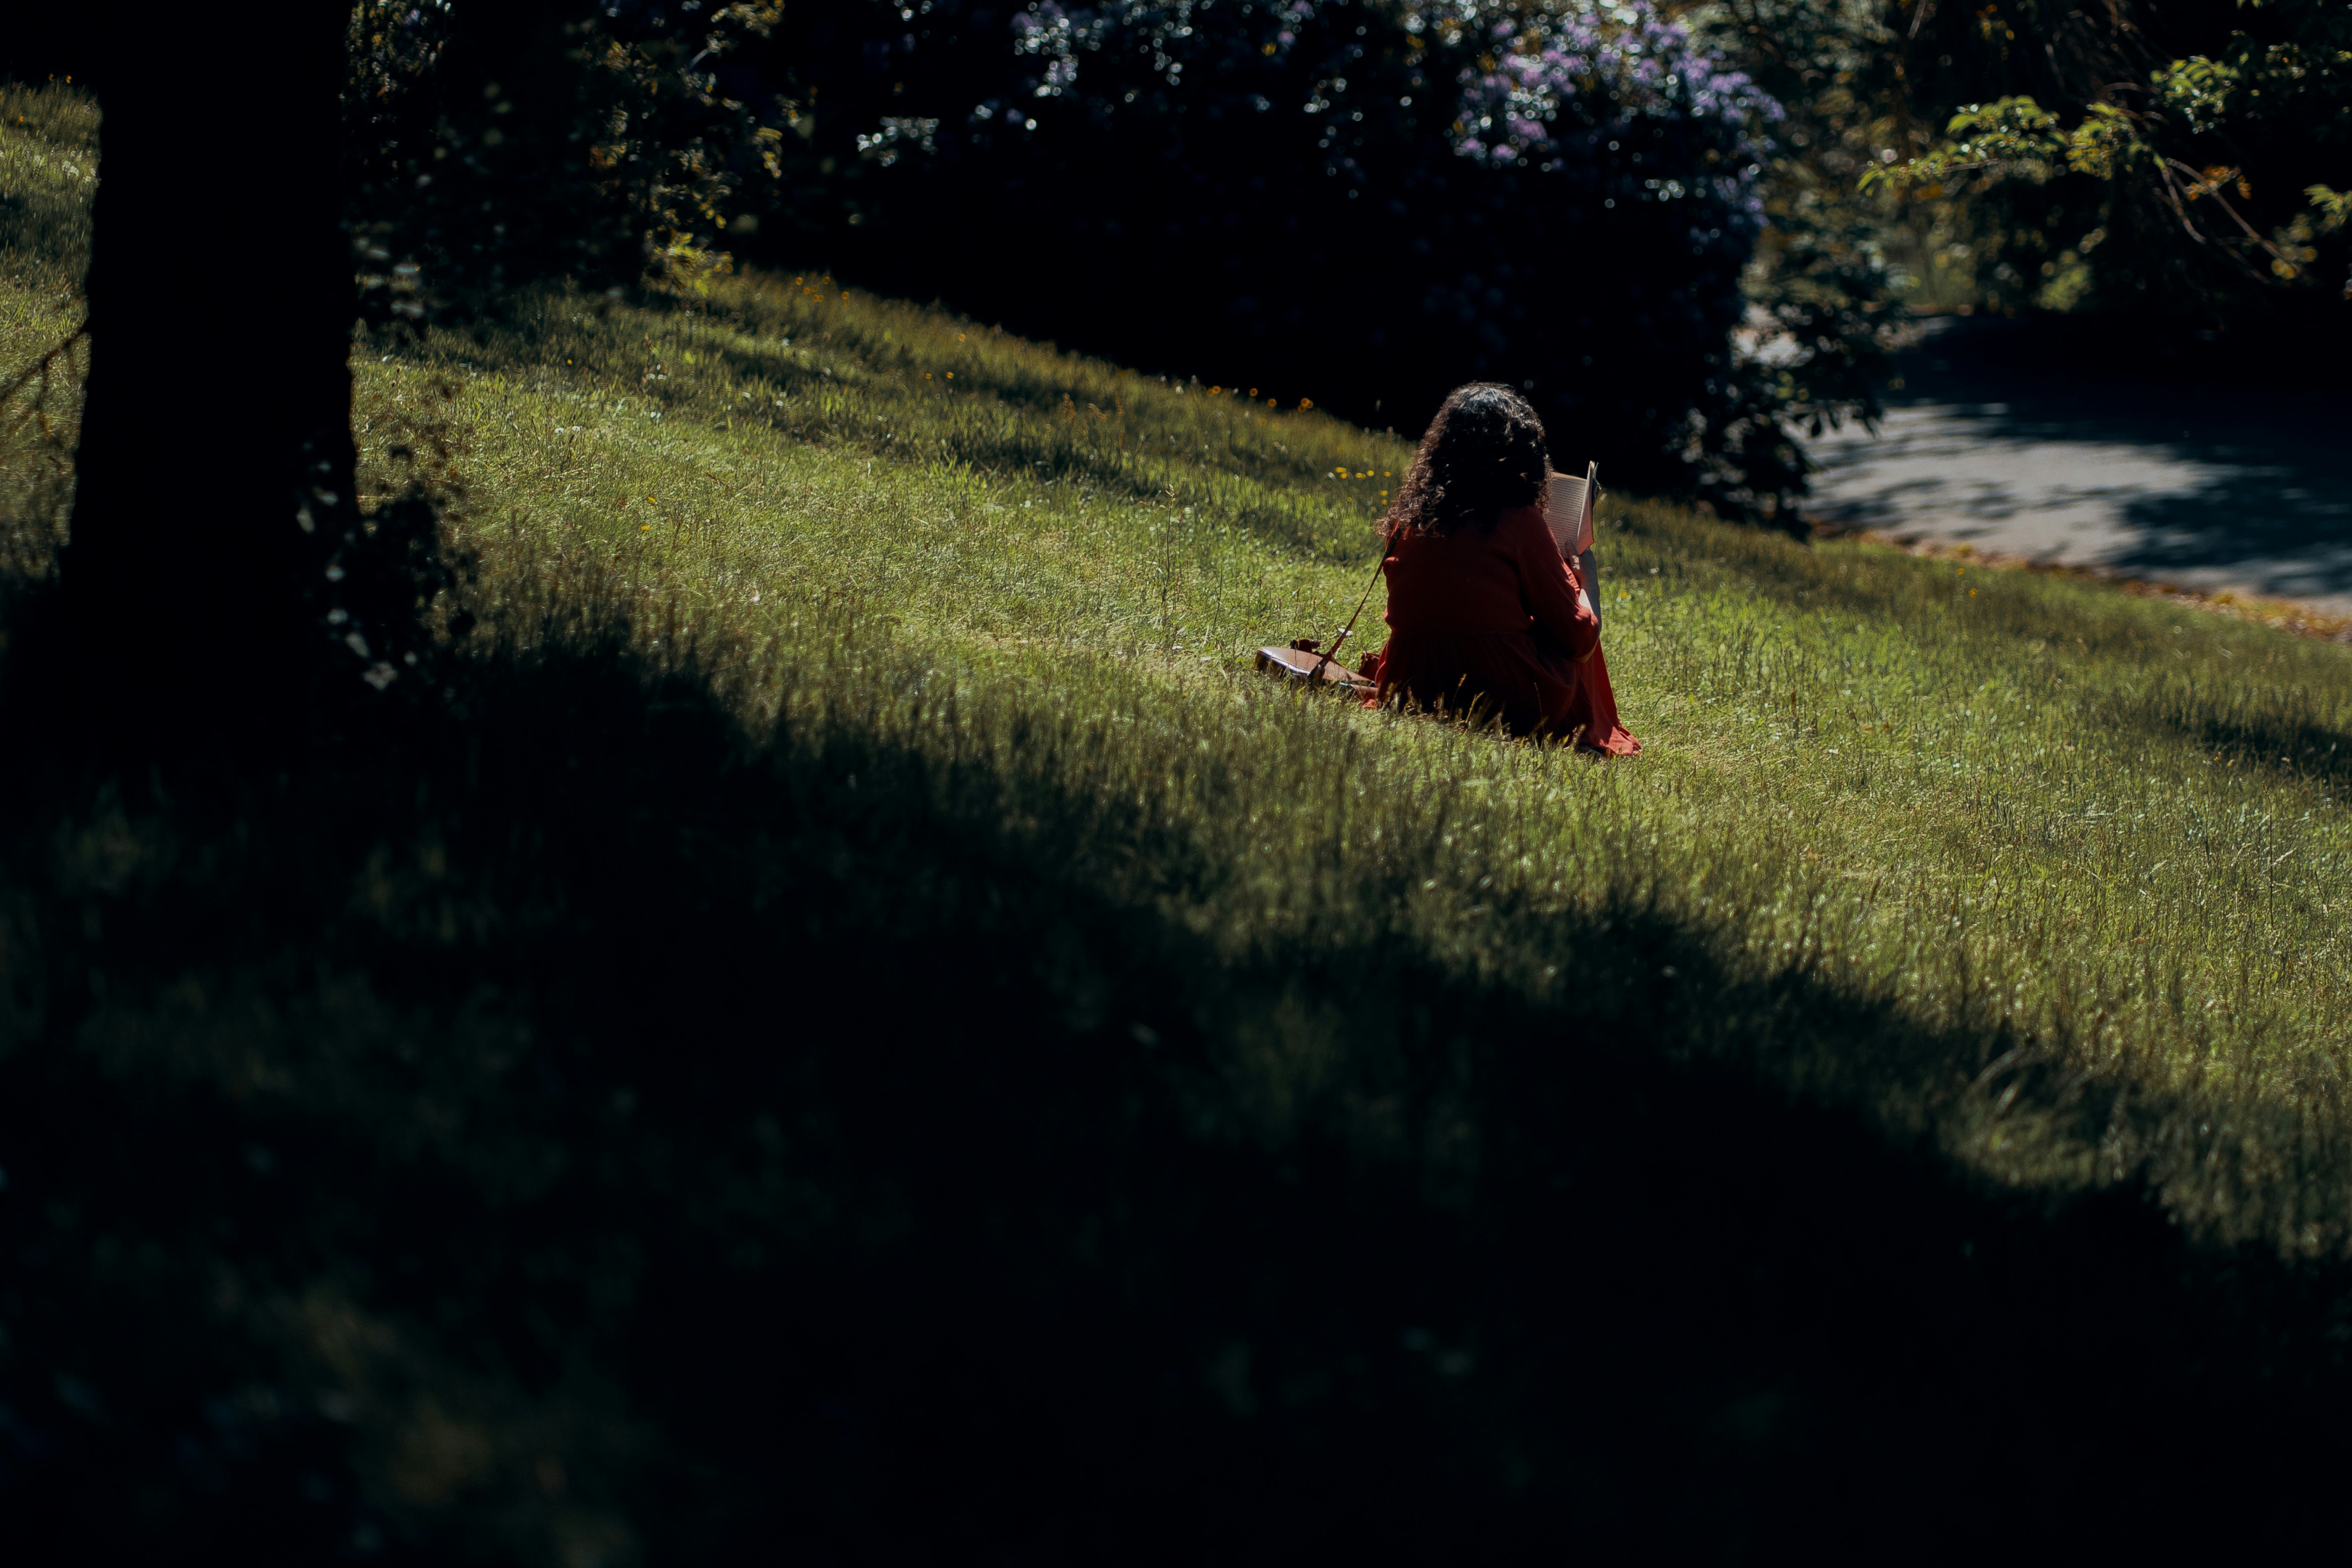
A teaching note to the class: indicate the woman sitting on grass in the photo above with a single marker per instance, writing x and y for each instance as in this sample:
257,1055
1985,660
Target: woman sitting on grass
1486,621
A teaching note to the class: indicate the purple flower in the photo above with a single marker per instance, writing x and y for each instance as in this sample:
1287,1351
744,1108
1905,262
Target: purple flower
1629,67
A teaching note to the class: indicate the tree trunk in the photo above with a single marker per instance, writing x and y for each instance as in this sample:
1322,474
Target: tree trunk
215,465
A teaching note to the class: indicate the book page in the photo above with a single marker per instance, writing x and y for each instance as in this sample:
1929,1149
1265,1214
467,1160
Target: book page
1564,511
1568,511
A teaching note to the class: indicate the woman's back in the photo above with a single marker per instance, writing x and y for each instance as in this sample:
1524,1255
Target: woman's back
1508,578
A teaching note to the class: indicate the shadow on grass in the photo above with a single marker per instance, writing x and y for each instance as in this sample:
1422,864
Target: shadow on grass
998,436
2276,742
554,1125
866,392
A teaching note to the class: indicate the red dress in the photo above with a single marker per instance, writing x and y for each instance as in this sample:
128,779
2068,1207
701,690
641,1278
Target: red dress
1487,625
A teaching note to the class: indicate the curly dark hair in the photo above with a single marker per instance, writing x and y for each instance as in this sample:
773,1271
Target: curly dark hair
1483,455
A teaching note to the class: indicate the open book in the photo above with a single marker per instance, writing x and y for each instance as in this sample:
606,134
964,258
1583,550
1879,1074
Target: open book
1568,513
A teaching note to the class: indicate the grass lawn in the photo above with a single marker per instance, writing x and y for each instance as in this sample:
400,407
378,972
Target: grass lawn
2097,834
847,982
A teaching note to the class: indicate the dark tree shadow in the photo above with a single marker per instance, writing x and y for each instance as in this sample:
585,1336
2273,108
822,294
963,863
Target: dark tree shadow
2275,743
773,1141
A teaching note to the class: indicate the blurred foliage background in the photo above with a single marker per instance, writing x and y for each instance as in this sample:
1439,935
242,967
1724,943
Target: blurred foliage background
1692,231
1357,205
2166,161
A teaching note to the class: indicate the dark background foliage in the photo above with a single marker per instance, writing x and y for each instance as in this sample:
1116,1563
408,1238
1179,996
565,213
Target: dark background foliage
1872,82
1209,222
491,145
2144,245
1267,196
1273,198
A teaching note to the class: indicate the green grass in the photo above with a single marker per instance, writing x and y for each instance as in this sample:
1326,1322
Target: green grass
2103,832
855,789
49,169
2105,829
48,172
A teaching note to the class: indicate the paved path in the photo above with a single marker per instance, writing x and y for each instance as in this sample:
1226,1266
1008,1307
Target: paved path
2242,489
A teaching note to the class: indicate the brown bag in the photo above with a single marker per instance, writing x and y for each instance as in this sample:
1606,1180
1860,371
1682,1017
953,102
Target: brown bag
1304,660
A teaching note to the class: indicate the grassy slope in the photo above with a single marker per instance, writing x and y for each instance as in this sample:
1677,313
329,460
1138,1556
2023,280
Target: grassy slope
920,860
48,172
2099,831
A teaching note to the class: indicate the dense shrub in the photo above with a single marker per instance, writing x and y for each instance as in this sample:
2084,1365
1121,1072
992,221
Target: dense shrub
1362,203
492,145
2184,162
